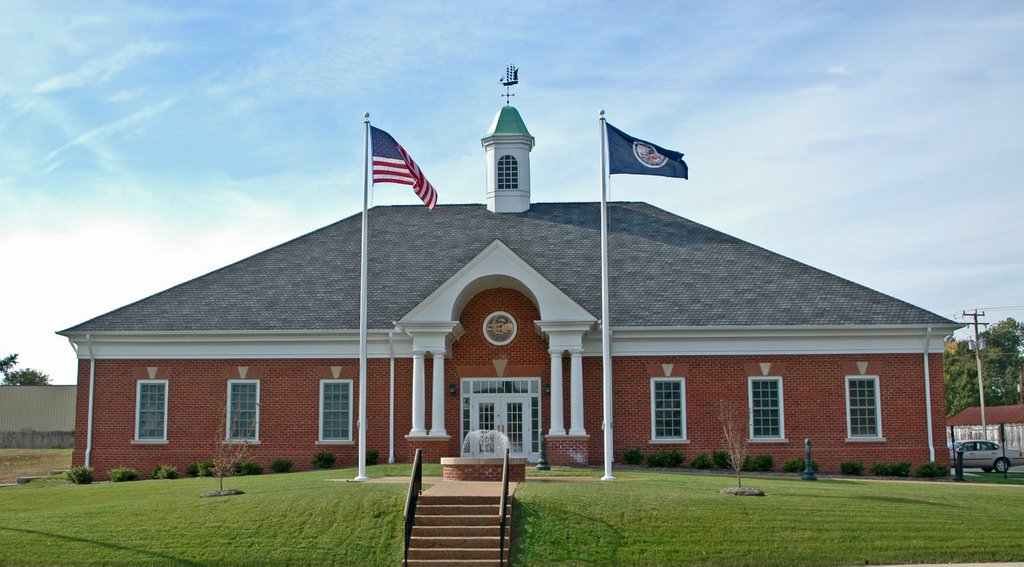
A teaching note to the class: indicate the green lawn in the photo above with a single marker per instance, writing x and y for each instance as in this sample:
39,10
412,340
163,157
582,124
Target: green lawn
670,519
995,478
642,519
31,462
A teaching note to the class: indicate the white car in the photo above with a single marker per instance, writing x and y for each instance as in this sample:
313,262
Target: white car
988,455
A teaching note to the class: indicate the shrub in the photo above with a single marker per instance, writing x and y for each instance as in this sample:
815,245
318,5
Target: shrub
371,457
79,475
281,465
324,459
665,459
702,461
162,472
855,468
206,468
244,468
633,456
793,465
931,470
192,470
762,463
797,465
123,474
721,459
901,468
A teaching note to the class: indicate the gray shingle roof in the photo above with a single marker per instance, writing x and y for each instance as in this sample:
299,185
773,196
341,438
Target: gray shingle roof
665,271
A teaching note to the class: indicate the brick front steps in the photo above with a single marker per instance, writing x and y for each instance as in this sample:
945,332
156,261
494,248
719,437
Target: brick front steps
462,530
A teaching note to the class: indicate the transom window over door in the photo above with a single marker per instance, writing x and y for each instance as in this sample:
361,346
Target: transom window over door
508,172
668,409
151,410
862,407
766,419
243,410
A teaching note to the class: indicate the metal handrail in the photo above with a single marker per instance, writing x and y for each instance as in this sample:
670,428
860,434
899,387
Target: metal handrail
415,488
501,511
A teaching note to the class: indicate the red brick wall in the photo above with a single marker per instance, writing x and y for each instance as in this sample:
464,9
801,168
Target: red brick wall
813,390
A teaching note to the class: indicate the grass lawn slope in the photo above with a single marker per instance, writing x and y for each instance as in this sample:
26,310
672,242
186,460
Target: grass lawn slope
644,518
672,519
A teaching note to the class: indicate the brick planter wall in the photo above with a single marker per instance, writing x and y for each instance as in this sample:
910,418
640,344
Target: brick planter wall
474,469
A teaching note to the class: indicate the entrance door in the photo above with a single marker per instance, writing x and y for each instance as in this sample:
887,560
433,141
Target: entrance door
507,414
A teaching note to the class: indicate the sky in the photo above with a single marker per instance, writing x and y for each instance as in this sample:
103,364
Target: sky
143,144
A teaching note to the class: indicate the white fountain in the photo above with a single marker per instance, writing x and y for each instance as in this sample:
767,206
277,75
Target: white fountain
483,455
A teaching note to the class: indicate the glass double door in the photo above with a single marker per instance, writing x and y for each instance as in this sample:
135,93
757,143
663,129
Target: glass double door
507,414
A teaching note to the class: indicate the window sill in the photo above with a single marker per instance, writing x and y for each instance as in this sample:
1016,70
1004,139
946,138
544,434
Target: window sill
768,440
866,439
334,442
669,442
240,442
150,442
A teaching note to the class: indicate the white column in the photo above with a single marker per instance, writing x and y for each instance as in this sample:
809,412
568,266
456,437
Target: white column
437,392
417,394
557,425
576,392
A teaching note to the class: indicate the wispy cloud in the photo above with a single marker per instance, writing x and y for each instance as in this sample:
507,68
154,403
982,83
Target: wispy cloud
107,130
98,71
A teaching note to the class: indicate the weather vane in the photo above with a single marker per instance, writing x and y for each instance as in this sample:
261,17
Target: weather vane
511,79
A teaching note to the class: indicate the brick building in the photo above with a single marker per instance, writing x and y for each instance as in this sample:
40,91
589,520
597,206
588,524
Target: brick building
486,317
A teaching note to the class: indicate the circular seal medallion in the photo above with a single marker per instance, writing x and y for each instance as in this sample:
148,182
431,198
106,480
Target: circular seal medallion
648,155
499,328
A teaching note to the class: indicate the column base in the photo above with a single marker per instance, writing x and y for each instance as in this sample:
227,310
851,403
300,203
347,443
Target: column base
578,432
417,433
556,433
568,450
439,433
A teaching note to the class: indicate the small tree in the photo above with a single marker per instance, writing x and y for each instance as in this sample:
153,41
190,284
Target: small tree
735,439
25,377
228,453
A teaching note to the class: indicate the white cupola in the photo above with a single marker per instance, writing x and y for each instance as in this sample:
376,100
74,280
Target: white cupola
508,144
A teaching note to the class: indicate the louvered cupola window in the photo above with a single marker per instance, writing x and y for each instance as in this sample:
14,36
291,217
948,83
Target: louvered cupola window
508,173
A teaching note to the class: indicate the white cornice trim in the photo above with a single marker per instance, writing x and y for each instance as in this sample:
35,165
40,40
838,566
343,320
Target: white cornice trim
627,341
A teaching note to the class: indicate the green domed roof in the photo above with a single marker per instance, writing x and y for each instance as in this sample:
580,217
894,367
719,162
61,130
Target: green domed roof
508,123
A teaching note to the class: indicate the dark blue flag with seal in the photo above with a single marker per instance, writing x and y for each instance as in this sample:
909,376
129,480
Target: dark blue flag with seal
627,154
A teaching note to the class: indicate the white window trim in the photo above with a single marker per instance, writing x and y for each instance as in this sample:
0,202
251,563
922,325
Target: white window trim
138,406
227,423
320,437
878,411
682,408
750,409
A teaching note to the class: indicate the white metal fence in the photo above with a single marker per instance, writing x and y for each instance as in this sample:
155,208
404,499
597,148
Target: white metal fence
1014,433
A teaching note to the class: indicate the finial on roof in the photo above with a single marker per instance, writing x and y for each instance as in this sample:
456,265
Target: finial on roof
511,79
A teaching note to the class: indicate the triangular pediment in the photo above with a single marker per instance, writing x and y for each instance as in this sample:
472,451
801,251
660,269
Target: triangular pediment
496,266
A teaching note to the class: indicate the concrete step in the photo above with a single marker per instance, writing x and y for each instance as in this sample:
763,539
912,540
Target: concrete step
457,531
456,562
459,520
453,500
478,542
447,554
457,510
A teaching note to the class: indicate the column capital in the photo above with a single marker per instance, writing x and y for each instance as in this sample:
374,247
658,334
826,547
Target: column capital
556,351
575,351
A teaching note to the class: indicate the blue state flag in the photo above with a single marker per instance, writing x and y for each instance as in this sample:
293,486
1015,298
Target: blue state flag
627,154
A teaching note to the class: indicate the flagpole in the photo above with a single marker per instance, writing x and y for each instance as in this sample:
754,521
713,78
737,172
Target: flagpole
362,304
606,328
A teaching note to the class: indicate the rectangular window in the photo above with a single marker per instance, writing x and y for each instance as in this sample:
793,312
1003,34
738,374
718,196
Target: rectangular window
766,420
243,410
151,410
335,410
862,406
668,408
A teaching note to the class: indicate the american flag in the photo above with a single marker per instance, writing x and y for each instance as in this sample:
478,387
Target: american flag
392,164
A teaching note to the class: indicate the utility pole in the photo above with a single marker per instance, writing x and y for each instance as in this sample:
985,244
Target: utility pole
978,345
